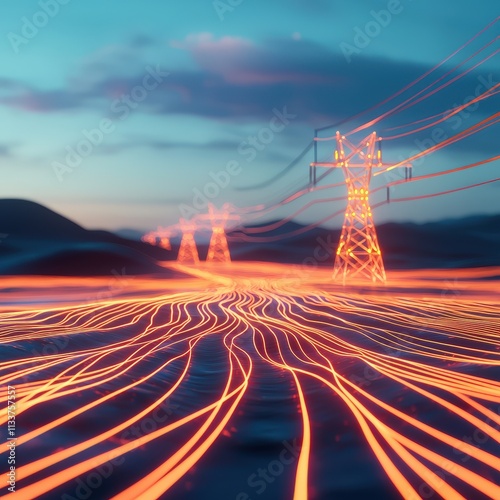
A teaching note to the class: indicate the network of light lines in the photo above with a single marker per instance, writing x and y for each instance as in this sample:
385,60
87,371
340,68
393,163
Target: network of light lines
414,364
432,354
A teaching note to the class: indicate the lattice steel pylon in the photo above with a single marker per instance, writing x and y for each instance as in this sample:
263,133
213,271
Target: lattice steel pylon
358,254
218,250
188,253
160,237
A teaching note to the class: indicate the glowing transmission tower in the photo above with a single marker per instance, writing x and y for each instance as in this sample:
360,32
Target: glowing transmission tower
188,253
358,253
218,250
160,237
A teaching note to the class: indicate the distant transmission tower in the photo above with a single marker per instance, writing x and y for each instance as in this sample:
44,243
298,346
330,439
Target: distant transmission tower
218,251
165,242
188,253
358,254
160,237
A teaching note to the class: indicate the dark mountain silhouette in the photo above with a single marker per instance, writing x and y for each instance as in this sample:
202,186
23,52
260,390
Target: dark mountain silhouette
21,218
36,240
468,242
129,233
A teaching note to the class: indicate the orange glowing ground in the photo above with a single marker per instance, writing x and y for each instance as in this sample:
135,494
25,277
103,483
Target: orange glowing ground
412,368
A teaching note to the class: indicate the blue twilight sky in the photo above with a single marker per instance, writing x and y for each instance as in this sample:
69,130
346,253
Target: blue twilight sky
178,90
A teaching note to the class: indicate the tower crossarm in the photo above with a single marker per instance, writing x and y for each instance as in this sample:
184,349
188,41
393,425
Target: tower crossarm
218,218
360,165
358,254
218,250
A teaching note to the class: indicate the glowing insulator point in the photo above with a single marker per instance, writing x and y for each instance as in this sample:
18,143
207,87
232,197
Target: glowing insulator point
165,243
358,255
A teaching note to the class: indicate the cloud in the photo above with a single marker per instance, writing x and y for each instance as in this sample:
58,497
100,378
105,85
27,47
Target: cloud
103,75
9,84
133,143
225,57
111,62
203,43
239,81
241,62
5,151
